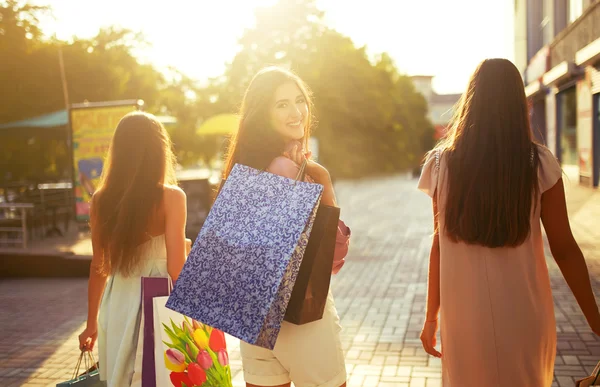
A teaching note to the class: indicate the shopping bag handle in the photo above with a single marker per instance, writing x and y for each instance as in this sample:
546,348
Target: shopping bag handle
301,172
86,359
596,374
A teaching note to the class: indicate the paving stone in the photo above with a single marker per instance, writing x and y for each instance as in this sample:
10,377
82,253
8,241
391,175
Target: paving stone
380,295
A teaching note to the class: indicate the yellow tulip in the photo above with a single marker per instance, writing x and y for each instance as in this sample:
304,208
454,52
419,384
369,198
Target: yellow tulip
199,325
201,339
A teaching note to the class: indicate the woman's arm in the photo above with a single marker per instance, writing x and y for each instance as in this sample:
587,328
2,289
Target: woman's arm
313,169
433,278
96,285
430,327
567,254
342,243
175,219
287,167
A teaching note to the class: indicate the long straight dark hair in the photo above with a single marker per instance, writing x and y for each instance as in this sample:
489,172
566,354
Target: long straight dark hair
140,161
492,160
256,143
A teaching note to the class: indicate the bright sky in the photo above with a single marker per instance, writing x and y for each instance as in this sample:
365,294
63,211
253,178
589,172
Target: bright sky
427,37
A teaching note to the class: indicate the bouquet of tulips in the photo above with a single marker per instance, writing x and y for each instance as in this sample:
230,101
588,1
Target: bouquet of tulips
197,355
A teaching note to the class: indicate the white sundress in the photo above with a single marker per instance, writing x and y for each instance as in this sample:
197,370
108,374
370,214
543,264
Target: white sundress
120,318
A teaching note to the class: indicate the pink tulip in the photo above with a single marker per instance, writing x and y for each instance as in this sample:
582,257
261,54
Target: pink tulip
187,327
204,360
223,357
196,324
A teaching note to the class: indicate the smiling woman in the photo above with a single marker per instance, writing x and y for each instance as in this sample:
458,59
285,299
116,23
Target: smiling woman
276,112
275,122
290,111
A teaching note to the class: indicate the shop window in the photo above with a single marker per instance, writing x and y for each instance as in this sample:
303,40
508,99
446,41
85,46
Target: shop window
568,127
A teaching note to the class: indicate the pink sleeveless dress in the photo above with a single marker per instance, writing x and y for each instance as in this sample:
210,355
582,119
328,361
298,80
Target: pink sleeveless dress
497,320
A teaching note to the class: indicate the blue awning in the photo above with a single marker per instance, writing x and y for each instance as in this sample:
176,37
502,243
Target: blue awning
51,120
61,118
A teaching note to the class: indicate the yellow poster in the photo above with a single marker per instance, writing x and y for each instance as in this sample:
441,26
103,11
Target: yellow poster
92,130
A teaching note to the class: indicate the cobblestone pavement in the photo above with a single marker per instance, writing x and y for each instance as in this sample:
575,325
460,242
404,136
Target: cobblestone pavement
380,296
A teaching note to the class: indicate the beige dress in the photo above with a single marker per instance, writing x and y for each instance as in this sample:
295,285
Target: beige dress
497,320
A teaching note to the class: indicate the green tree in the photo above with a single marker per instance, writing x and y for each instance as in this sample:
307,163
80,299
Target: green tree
19,38
370,118
99,69
104,68
19,29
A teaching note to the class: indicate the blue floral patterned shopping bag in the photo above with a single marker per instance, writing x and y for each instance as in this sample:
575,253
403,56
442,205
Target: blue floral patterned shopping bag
242,268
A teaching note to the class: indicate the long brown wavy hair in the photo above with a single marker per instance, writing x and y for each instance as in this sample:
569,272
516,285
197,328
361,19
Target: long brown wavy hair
492,160
140,162
256,143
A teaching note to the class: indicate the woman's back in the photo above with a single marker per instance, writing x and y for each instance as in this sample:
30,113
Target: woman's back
137,219
120,312
492,188
496,303
119,319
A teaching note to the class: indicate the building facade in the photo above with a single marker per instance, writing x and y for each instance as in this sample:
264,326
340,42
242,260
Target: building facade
557,50
440,106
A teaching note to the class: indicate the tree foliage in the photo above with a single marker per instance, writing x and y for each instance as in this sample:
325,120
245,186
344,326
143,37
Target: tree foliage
370,119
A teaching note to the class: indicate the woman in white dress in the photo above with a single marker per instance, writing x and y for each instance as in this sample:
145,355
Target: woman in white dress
138,218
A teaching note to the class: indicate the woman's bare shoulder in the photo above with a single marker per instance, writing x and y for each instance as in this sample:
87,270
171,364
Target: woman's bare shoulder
284,167
173,195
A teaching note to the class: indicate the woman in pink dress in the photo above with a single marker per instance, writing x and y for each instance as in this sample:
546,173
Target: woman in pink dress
488,280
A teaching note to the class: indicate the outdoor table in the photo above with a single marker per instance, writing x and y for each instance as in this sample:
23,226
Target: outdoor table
53,206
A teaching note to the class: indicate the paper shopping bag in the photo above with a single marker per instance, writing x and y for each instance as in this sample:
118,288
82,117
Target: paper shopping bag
151,287
87,379
592,380
188,352
242,268
309,296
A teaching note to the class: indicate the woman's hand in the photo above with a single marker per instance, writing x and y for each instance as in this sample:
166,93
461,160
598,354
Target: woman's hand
88,337
318,172
315,170
428,338
295,153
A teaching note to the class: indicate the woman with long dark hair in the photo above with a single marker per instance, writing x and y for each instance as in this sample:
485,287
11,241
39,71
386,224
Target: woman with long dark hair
275,123
491,185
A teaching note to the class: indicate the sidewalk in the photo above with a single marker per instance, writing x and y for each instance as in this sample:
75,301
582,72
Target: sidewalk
577,347
380,296
583,205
